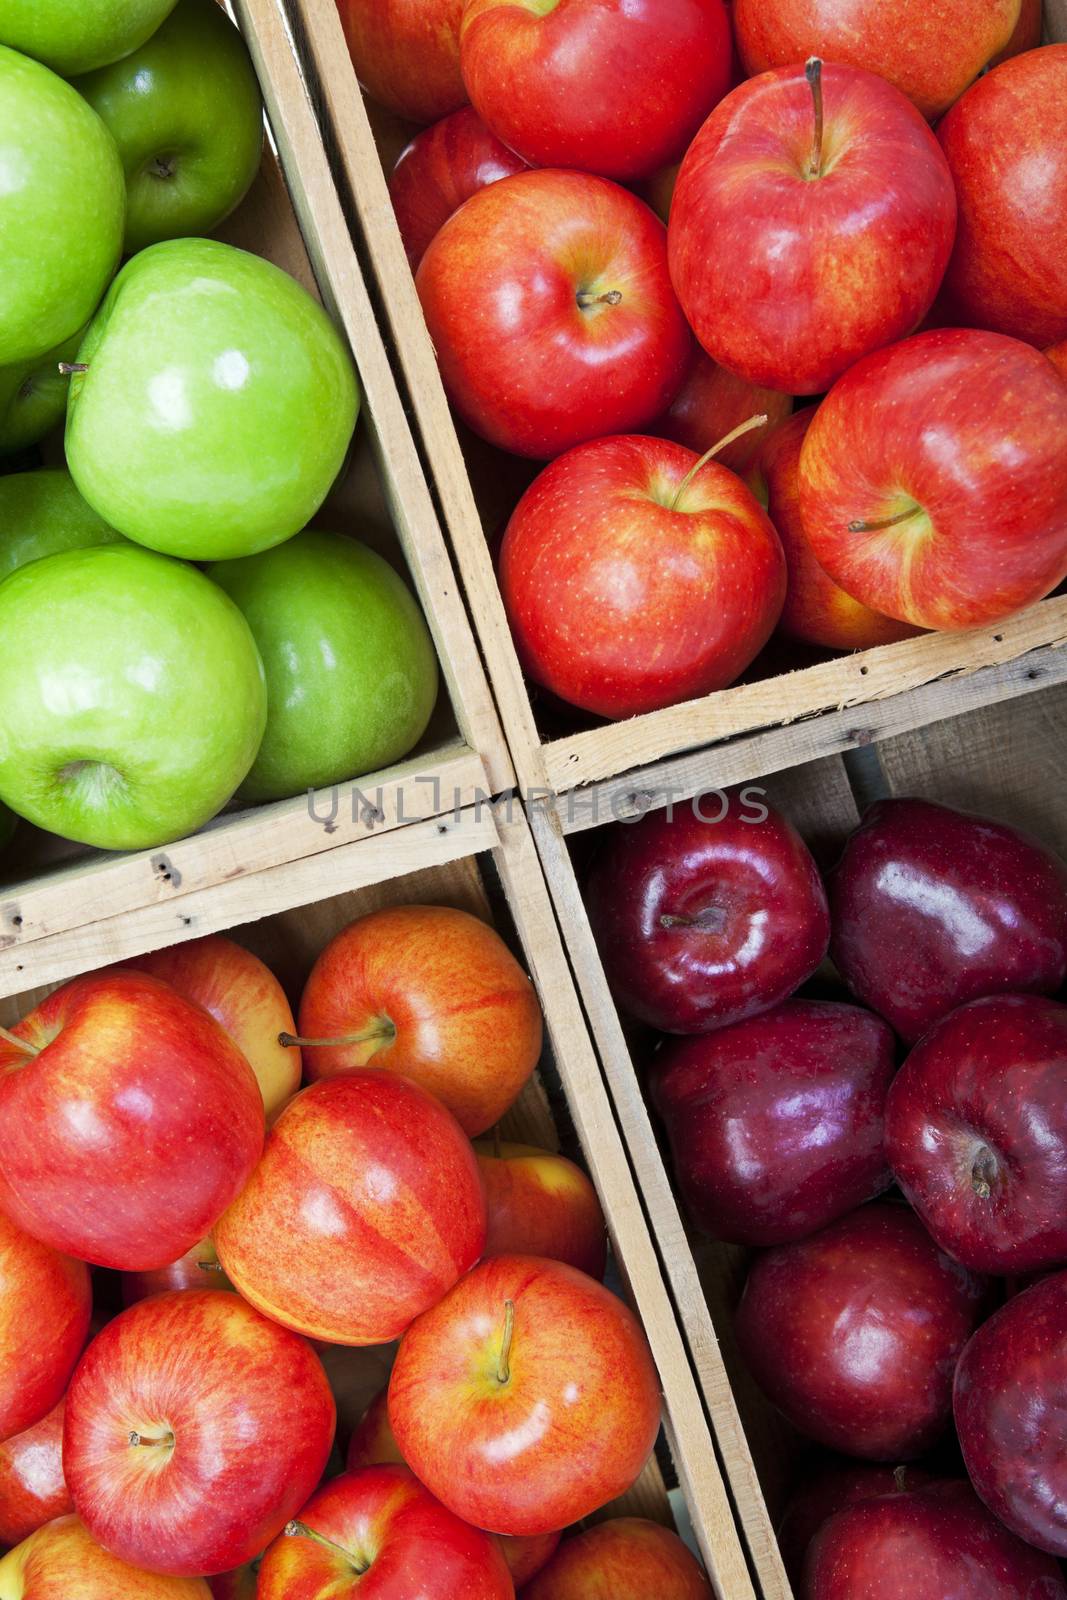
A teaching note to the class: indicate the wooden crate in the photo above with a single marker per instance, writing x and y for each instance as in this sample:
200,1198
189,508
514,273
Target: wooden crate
761,726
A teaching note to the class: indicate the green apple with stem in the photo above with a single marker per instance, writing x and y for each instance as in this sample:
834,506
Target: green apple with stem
132,696
33,396
62,208
186,114
42,513
76,35
351,670
212,404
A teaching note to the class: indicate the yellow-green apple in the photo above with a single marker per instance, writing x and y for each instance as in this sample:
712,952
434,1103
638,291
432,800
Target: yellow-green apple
198,1268
128,1121
711,403
195,1428
63,1560
933,479
550,307
33,397
930,49
365,1209
378,1533
811,223
33,1489
440,168
72,36
526,1398
617,87
541,1204
430,992
1006,145
45,1306
628,1558
406,54
637,575
42,513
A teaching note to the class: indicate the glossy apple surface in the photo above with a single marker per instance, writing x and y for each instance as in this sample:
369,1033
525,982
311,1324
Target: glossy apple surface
432,993
525,1421
776,1124
198,1268
406,54
62,1559
541,1204
131,1126
73,36
831,1488
854,1332
218,403
933,907
627,1558
45,1305
933,482
441,167
41,514
711,403
551,311
195,1428
707,916
792,254
631,585
33,1490
1006,145
33,397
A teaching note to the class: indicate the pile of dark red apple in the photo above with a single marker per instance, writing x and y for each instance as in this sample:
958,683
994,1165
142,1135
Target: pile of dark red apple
249,1236
821,242
874,1317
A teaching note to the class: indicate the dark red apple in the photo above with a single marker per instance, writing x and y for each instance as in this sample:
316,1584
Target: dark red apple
440,168
406,54
833,1487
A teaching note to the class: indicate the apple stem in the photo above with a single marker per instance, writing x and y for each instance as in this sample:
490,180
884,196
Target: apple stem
503,1370
735,433
883,522
210,1266
67,369
139,1438
300,1530
813,73
20,1044
712,919
610,297
384,1030
984,1173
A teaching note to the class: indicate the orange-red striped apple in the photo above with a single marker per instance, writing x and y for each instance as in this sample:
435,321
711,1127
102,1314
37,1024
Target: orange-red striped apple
45,1305
406,54
711,403
627,1558
62,1560
33,1490
198,1268
541,1204
440,168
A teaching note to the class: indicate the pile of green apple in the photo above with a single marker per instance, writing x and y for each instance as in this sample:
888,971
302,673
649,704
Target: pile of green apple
209,405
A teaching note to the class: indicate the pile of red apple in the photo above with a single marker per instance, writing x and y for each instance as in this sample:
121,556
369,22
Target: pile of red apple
821,242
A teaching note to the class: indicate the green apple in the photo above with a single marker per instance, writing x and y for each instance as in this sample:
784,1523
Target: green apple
77,35
186,114
351,670
62,209
217,406
33,396
132,697
42,513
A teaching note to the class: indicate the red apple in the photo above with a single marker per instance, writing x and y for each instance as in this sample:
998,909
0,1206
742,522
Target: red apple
541,1204
1057,354
32,1488
832,1488
198,1268
128,1121
711,403
527,1398
1027,35
240,1584
776,1124
934,907
440,168
708,914
617,87
931,52
811,223
550,307
526,1556
195,1429
366,1208
45,1304
406,54
432,993
634,577
933,479
62,1561
625,1559
854,1332
1006,145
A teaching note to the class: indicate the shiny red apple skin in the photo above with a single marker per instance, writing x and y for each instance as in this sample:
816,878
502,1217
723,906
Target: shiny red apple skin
854,1332
711,403
776,1124
134,1127
406,54
1006,145
831,1488
366,1208
45,1304
963,430
33,1490
765,928
527,366
616,87
788,279
541,1204
62,1560
252,1419
940,1541
569,1429
622,602
440,169
198,1268
1027,35
627,1558
929,49
933,907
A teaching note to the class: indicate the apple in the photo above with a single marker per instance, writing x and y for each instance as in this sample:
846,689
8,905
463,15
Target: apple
711,403
551,311
198,1268
526,1556
112,730
185,112
45,1306
933,907
72,36
62,1560
406,54
888,508
706,915
440,168
62,207
33,1490
1027,35
628,1558
364,1211
930,53
1057,354
796,243
33,397
216,404
635,575
616,87
240,1584
432,993
541,1204
526,1398
830,1488
128,1121
41,514
351,670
